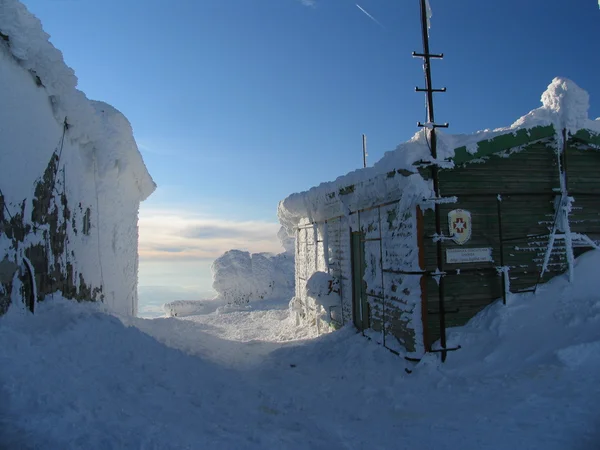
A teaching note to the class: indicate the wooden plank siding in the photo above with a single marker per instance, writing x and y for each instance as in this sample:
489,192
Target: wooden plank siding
513,196
510,186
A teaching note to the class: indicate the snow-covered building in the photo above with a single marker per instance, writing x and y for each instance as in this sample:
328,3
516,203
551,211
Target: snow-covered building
517,204
71,178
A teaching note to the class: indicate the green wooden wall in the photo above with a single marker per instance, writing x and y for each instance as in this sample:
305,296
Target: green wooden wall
511,198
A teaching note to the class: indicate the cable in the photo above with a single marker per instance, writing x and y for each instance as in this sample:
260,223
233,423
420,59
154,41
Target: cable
5,207
98,221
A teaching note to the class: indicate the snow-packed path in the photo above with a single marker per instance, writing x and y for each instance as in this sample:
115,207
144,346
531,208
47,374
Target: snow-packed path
239,338
73,377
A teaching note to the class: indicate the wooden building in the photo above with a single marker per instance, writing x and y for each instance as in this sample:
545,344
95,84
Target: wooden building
517,206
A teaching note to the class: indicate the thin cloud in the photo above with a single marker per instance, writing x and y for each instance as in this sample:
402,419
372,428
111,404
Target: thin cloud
171,235
308,2
229,230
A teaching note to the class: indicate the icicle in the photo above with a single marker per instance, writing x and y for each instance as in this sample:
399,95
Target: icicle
566,229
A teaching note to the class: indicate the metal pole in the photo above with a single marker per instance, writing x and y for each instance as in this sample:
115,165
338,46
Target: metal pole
500,238
434,167
364,146
382,277
427,69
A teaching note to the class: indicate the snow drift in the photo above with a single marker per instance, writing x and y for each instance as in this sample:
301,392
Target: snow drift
240,277
182,308
71,175
525,378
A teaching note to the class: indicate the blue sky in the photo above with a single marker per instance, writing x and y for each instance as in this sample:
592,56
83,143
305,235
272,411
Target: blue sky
237,103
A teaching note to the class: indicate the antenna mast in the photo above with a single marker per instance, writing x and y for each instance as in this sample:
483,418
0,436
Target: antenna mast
364,143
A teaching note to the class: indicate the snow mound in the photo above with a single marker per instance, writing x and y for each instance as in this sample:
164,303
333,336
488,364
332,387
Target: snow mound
323,288
564,105
110,387
75,377
569,102
556,327
240,277
183,308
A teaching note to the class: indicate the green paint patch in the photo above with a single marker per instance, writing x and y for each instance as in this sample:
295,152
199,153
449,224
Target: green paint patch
503,142
588,136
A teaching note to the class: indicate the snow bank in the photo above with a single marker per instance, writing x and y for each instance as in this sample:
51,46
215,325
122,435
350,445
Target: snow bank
525,378
183,308
557,326
71,193
564,105
240,277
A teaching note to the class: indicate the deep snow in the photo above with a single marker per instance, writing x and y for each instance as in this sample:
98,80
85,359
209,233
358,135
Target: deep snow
525,378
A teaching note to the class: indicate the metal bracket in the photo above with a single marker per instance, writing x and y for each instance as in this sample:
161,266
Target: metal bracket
418,89
441,350
435,125
427,55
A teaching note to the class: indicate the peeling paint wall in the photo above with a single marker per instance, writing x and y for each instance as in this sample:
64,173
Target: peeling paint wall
44,237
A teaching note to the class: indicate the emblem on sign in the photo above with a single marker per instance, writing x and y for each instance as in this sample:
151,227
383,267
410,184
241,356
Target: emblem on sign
459,222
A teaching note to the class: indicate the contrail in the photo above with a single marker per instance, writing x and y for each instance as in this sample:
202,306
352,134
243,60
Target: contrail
371,17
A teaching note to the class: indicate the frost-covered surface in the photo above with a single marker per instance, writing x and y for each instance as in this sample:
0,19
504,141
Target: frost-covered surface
319,285
525,378
99,166
322,248
394,299
564,105
325,292
183,308
240,277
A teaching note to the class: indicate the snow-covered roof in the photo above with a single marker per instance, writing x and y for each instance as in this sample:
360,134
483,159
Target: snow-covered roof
93,124
564,106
